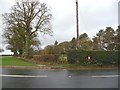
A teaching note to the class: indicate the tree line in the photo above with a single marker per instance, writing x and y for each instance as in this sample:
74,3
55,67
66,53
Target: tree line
105,40
27,18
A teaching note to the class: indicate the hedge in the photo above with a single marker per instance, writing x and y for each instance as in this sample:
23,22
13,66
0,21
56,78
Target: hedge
46,58
97,57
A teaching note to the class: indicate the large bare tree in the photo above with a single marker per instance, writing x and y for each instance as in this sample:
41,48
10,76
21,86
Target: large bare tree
32,16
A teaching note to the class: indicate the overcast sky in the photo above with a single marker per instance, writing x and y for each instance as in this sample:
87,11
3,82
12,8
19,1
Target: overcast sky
93,16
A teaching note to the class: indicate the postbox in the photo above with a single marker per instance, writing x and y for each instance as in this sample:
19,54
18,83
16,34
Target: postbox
89,57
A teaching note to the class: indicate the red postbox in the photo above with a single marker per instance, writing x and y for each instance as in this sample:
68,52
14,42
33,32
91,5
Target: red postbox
89,57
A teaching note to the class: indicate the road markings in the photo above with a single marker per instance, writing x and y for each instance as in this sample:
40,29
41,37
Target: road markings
105,76
24,76
43,76
69,76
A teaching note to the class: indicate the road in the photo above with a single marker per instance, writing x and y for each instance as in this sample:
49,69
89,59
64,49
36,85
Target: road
16,78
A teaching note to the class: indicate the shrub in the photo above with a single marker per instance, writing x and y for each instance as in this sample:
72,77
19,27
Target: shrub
36,58
46,58
62,58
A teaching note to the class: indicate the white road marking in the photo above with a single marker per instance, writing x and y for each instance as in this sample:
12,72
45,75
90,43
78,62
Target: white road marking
105,76
43,76
24,76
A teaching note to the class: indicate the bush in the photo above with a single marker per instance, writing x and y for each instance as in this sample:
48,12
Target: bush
62,58
73,56
46,58
97,57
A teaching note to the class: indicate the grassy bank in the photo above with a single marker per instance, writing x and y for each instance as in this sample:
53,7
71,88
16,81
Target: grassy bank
89,67
13,61
78,66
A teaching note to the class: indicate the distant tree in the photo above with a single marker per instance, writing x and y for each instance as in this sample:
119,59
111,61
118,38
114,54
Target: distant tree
95,45
1,50
73,40
56,43
73,44
117,39
100,39
65,46
48,49
85,42
105,39
108,38
84,35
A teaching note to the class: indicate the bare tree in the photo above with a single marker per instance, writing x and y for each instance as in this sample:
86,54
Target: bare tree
33,16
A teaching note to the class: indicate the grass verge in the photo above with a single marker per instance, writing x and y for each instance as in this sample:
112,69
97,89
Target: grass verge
13,61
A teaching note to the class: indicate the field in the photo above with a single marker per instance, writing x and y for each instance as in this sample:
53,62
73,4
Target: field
12,61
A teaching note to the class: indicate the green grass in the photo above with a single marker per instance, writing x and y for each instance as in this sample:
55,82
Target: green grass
12,61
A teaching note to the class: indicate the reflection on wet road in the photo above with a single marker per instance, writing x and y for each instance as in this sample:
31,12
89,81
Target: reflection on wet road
14,78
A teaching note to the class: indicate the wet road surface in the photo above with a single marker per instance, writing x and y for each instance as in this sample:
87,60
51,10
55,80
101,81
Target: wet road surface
16,78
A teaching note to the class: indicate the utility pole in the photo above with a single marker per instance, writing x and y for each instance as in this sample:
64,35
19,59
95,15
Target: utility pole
77,24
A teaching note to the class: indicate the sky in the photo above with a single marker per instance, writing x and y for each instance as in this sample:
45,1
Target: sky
93,16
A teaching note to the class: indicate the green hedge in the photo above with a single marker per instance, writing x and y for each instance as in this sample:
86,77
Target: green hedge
97,57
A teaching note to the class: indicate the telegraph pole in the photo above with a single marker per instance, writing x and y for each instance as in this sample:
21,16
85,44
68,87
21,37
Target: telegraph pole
77,24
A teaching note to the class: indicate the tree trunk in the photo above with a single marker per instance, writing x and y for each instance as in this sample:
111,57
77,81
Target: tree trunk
15,52
27,46
20,52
